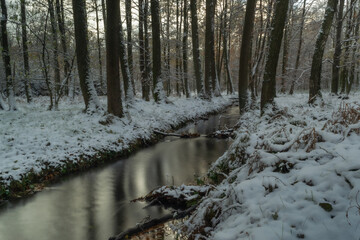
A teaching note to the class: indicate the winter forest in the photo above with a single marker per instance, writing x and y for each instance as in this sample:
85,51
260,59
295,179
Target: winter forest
179,119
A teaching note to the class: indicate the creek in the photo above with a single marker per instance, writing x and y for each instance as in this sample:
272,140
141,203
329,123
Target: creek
95,205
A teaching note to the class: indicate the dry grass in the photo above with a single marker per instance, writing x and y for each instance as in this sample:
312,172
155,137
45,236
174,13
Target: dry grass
343,118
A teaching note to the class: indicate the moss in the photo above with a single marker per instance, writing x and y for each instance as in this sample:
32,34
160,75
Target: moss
326,206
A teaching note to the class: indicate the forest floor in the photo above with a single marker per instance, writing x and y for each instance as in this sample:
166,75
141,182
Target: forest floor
38,145
293,173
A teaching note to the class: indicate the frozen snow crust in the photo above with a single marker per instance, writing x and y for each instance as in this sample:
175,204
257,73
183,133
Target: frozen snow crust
293,173
36,140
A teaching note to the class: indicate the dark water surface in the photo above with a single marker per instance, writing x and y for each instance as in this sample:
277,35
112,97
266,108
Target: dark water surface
96,205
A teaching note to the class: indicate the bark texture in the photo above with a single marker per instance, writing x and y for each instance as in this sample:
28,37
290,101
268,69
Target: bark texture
316,65
268,90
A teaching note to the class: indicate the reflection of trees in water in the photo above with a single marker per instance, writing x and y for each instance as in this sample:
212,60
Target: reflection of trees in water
91,207
95,205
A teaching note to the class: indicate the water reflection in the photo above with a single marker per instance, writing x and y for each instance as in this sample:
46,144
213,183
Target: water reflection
96,204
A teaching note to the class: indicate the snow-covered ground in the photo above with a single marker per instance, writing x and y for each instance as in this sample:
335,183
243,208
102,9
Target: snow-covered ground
293,173
33,136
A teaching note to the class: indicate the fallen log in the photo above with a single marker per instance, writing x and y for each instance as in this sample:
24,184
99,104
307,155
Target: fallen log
154,222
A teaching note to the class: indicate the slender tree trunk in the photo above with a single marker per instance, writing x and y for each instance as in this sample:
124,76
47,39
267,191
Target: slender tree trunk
157,82
45,59
286,45
219,55
61,24
103,8
82,55
298,53
168,89
129,41
337,53
177,48
141,46
112,58
245,57
98,45
25,52
316,66
6,57
209,48
185,49
196,50
128,87
344,78
354,48
147,62
268,90
55,61
226,50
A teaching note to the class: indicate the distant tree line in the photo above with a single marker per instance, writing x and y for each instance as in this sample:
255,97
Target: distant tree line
154,49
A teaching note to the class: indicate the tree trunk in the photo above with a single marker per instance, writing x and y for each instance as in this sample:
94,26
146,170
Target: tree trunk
25,52
129,42
98,45
82,55
298,53
268,90
55,62
286,45
226,50
128,87
185,49
354,48
196,50
316,66
168,88
61,24
209,48
6,57
112,58
337,53
103,7
157,82
245,57
141,46
147,62
344,78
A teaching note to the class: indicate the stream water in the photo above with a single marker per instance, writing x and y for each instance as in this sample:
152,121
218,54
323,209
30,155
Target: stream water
96,204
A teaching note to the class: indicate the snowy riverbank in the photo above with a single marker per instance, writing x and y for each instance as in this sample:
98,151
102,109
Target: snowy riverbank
34,138
293,173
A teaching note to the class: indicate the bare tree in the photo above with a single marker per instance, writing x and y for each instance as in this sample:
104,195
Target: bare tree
298,52
185,49
210,67
316,66
245,56
268,90
196,50
25,52
158,89
6,58
82,55
112,58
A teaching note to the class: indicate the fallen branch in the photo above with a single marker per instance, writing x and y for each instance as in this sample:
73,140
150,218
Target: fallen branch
183,135
222,134
149,224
